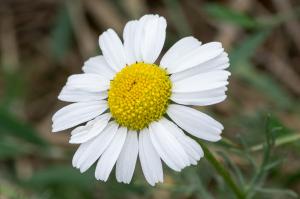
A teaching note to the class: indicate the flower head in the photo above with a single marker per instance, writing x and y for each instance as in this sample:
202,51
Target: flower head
134,107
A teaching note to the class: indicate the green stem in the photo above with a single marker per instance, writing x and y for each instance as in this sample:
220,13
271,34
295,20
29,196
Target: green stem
223,172
278,142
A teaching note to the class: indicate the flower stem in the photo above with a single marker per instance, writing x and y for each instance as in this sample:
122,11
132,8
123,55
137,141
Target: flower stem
223,172
278,142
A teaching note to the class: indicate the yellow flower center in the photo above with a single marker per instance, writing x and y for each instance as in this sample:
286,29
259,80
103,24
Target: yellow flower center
139,94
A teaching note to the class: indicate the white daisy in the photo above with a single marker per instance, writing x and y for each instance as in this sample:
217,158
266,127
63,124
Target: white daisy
135,107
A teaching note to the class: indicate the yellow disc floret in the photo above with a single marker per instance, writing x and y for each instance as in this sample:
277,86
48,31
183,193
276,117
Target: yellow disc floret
139,94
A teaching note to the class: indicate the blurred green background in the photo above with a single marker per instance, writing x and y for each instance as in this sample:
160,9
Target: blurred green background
42,42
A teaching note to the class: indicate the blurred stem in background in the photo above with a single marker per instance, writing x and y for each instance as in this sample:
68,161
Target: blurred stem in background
178,18
223,172
9,59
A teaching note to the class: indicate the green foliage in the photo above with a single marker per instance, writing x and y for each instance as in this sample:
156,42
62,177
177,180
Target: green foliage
230,161
229,15
223,172
61,34
60,175
12,126
62,182
247,48
67,182
13,89
10,149
255,187
242,68
11,192
240,56
178,18
250,162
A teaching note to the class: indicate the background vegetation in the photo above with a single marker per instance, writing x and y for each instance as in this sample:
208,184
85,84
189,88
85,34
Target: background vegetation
44,41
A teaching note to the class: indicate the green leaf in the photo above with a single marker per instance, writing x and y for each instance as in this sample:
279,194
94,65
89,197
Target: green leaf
9,149
242,67
277,192
227,14
235,167
178,18
62,182
247,48
60,175
268,86
11,125
67,182
223,173
267,163
14,87
238,18
61,34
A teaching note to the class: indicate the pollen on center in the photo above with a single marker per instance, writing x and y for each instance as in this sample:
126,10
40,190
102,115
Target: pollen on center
139,94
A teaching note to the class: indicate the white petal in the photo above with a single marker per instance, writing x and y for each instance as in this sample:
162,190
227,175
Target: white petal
202,82
110,156
191,147
127,159
153,38
179,49
195,122
167,146
150,161
112,49
95,147
201,101
129,37
77,113
85,127
98,65
144,39
195,57
81,149
77,95
91,130
218,63
88,82
201,98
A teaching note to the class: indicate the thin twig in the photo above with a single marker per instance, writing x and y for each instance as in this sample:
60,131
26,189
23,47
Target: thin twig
134,8
8,41
292,26
85,37
105,14
280,69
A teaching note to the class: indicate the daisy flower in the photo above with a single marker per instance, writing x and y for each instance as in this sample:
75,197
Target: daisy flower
135,107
